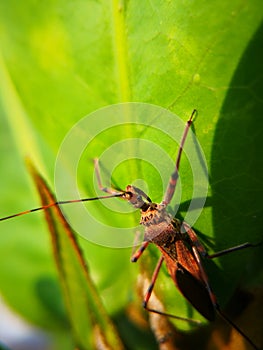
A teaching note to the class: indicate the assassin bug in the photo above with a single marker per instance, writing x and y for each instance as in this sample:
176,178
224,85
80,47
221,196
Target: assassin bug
177,241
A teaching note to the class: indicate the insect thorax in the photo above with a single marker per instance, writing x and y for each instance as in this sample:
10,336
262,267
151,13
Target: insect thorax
154,214
158,223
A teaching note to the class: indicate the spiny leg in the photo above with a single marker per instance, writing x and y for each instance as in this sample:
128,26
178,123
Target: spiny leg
233,249
149,293
204,253
215,303
174,177
199,249
137,238
134,258
185,228
101,187
150,288
139,252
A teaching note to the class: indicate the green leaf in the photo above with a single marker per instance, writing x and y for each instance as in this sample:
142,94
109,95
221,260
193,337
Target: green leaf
70,59
85,309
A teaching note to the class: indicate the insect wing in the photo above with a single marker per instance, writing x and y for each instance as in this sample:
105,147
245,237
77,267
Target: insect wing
185,273
195,292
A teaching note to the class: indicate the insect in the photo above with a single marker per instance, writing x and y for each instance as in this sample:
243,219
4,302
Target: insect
179,245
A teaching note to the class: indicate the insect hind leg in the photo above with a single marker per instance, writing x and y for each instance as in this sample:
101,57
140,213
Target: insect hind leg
149,293
199,249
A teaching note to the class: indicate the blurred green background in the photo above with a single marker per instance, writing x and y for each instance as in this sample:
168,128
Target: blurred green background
61,60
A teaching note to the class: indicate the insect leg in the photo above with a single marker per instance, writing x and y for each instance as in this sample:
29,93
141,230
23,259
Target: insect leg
198,249
194,239
149,293
139,252
201,249
101,187
233,249
150,289
214,300
231,323
174,177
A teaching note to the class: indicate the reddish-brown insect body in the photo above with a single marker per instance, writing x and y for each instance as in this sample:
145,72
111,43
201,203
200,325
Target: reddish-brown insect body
179,245
176,240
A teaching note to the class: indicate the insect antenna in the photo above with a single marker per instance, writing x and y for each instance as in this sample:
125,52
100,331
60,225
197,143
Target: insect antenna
118,194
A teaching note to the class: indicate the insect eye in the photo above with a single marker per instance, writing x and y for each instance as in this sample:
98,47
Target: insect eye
127,195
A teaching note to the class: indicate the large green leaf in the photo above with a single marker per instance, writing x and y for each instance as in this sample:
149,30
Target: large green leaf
63,60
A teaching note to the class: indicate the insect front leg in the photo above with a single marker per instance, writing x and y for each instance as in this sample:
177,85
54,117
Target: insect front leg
139,252
101,187
174,177
150,288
